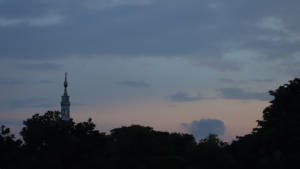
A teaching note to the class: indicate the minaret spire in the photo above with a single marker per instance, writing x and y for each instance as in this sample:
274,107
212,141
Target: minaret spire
66,85
65,102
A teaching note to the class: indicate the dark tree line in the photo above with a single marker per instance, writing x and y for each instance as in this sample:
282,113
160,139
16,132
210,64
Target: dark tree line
48,142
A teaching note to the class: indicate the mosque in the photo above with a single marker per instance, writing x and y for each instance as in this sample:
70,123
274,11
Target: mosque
65,102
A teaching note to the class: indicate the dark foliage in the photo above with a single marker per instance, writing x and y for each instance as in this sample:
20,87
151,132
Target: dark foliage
9,149
275,143
52,143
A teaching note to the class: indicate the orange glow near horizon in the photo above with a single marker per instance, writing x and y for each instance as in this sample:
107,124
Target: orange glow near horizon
238,116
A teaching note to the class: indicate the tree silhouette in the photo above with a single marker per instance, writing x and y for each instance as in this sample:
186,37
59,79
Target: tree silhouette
9,149
275,143
55,143
280,128
211,153
142,147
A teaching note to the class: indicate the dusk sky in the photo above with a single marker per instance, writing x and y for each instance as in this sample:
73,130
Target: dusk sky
195,66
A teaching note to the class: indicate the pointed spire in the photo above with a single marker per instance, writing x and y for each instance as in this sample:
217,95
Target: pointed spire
66,85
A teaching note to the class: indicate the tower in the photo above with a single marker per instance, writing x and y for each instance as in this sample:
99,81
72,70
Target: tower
65,102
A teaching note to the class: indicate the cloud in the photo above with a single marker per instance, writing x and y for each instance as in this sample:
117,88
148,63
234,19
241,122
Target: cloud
240,94
46,66
290,66
46,21
133,84
184,97
227,93
7,22
204,127
202,32
38,21
271,23
9,81
102,4
22,103
263,80
219,64
44,82
277,31
232,81
34,102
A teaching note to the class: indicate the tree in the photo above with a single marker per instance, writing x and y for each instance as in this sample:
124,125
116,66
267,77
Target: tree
275,143
280,127
51,142
9,149
142,147
211,153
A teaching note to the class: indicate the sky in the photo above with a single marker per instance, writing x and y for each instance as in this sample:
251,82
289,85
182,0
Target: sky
192,66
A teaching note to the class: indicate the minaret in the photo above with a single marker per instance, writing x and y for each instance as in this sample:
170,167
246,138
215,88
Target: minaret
65,102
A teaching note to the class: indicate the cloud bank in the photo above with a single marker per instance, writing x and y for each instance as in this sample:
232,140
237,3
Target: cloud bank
133,84
204,127
183,97
204,32
237,93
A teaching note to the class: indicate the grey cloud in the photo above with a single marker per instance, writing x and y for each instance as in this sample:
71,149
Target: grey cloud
47,66
232,81
200,31
33,102
184,97
219,63
29,102
290,66
41,21
46,105
9,81
263,80
134,84
204,127
103,4
7,22
237,93
44,82
45,21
